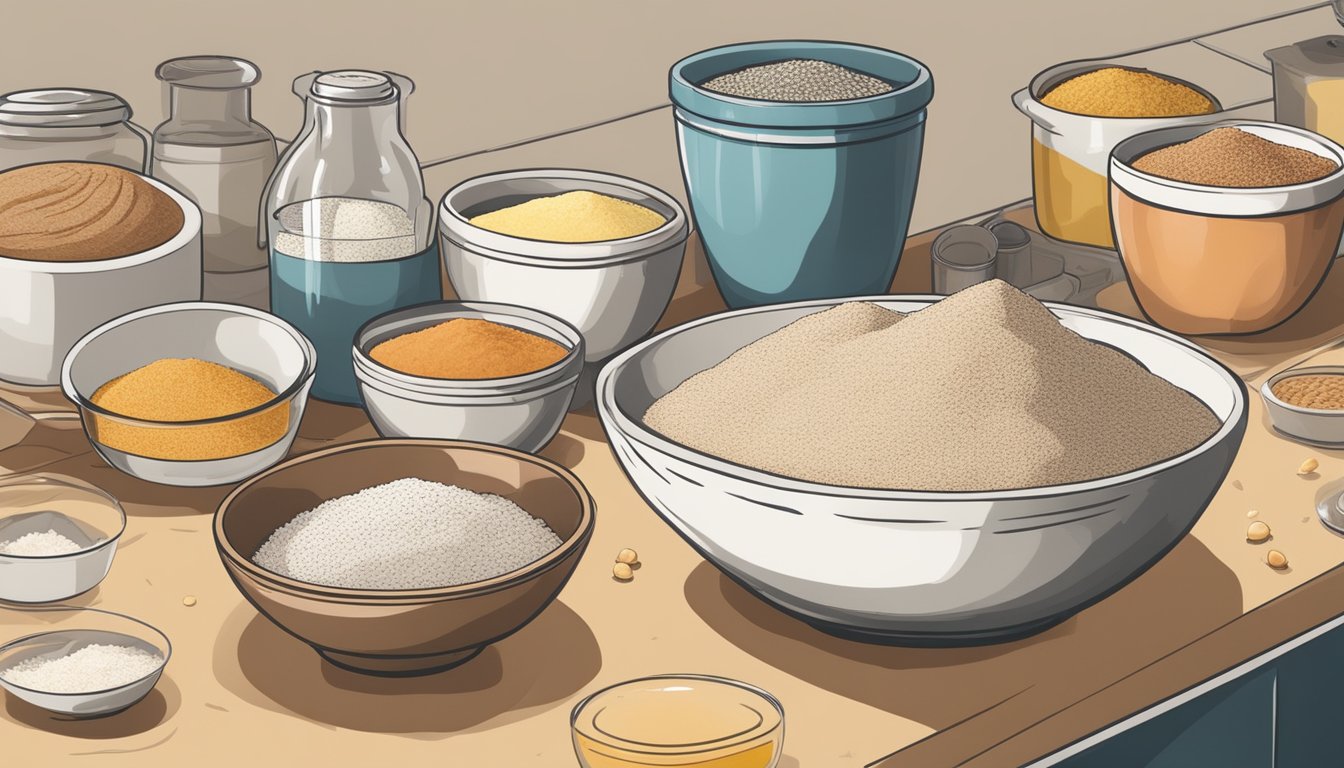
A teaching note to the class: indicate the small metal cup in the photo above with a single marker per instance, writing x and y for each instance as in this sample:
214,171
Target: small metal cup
963,256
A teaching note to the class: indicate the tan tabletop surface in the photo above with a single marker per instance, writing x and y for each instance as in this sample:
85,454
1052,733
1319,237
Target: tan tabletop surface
238,690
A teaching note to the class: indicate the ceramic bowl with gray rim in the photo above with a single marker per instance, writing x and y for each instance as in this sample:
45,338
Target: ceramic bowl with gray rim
522,412
917,567
1314,426
65,630
613,291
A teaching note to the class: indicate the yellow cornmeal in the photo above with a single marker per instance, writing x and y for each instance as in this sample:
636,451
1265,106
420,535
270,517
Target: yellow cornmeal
573,217
177,390
1117,92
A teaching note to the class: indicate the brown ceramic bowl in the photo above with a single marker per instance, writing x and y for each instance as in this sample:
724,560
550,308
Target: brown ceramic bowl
1224,260
403,632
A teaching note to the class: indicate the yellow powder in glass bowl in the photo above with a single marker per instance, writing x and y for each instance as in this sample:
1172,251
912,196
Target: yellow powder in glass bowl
182,390
573,217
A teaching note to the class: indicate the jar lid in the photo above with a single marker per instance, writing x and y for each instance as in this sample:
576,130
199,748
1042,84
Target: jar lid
209,72
63,107
355,85
1317,57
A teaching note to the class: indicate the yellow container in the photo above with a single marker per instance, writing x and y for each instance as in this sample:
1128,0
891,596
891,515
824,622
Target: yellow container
1309,85
1070,152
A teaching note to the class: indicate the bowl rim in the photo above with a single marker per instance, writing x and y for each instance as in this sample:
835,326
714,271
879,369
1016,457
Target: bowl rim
456,227
167,649
1047,79
442,310
582,531
634,429
1126,166
284,396
673,750
1267,389
72,482
191,229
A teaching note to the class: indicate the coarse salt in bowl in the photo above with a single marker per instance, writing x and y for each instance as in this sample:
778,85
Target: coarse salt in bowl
58,536
128,661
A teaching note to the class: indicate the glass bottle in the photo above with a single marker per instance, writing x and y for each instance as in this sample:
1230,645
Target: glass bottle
55,124
350,228
211,150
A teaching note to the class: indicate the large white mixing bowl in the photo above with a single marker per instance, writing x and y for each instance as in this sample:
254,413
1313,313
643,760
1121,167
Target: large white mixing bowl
918,567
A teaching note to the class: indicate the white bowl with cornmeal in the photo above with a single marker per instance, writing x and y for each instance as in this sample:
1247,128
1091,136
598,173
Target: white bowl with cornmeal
46,306
918,567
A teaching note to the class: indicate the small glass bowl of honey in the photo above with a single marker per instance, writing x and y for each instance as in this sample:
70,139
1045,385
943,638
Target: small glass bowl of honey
691,721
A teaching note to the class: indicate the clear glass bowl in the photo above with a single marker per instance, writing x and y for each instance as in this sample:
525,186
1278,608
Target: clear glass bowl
36,504
247,340
59,631
679,720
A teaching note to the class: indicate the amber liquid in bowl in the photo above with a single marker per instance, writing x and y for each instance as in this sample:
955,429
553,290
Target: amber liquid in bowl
679,721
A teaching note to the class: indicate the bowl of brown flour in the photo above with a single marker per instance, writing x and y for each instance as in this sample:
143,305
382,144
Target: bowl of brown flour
925,471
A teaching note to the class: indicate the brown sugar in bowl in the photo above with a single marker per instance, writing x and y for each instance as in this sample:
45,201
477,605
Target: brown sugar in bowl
403,632
1224,260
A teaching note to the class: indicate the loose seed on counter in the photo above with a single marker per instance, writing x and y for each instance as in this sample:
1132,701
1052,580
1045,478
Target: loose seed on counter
1276,559
1308,467
189,600
1257,532
627,556
1252,513
622,572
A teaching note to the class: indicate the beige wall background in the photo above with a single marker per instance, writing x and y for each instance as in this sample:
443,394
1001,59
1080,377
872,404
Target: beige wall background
493,73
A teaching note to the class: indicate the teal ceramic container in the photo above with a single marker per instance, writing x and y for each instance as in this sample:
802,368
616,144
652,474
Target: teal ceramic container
796,200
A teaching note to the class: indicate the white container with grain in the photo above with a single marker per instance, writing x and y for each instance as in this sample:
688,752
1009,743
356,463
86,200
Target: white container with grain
1070,152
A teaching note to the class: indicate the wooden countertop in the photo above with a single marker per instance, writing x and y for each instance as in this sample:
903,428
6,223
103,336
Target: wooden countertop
236,683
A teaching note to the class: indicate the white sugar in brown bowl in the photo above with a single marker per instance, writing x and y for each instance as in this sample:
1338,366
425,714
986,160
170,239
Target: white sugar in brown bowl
918,567
410,630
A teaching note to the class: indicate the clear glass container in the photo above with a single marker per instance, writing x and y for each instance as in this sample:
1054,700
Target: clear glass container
57,124
1309,85
348,221
212,150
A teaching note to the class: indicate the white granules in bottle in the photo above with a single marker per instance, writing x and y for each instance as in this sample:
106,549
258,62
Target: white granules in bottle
345,229
406,534
39,544
95,667
798,80
985,390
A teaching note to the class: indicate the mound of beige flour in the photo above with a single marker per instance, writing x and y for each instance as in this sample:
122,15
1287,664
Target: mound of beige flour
982,391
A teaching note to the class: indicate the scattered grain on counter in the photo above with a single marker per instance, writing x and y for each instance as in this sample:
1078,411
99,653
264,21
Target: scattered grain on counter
573,217
1323,392
622,572
39,544
984,390
1257,532
1309,466
1119,92
1252,513
1276,559
468,348
627,556
95,667
1231,157
187,389
189,600
407,534
798,80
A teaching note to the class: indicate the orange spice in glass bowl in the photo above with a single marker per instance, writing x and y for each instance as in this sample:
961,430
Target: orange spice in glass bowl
1241,247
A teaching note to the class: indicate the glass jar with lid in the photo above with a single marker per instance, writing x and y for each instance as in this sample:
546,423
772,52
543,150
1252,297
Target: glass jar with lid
348,221
212,150
70,124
